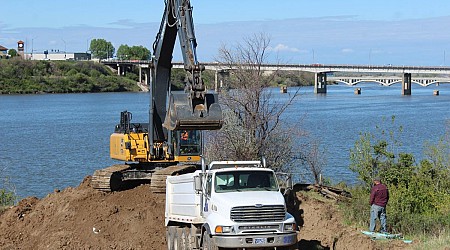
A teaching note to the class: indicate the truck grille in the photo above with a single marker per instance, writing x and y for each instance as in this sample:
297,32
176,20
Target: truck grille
258,213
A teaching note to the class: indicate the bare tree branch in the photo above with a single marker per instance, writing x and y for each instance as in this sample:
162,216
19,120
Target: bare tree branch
253,117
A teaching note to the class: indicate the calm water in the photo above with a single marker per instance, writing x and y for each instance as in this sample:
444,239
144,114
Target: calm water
53,141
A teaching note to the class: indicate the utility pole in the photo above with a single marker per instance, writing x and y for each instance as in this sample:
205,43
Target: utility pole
314,60
32,47
64,48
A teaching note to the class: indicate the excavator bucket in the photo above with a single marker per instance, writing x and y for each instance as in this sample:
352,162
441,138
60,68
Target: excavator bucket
186,114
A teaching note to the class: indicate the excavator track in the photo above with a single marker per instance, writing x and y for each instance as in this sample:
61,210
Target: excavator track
109,179
112,178
158,182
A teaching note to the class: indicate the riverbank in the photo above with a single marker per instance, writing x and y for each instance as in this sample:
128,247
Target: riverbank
19,76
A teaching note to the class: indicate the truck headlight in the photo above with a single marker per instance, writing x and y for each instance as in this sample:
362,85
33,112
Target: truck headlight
290,227
223,229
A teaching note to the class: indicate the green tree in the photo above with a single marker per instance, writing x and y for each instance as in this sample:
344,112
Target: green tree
123,52
126,52
12,52
101,48
140,53
375,154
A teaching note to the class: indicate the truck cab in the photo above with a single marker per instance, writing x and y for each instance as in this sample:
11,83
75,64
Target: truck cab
239,206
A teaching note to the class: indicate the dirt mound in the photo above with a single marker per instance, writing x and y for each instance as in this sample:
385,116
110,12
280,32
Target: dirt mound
84,218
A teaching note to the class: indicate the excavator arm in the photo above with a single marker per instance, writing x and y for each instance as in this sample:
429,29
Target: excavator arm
194,108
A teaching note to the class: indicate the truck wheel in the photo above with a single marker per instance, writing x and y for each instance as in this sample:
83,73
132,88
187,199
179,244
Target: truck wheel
208,243
171,236
183,238
293,247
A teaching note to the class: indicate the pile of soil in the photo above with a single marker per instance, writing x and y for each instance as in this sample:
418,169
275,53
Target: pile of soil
84,218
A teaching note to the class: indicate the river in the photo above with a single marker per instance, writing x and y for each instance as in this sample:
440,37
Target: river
53,141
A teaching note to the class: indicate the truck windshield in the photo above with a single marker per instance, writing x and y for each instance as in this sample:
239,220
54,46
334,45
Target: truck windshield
237,181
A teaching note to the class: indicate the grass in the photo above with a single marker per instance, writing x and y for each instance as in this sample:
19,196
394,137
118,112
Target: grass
440,242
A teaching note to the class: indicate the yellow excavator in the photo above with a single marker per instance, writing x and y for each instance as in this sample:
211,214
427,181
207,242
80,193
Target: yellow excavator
171,142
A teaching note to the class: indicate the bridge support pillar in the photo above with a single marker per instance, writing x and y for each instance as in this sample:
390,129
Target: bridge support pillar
147,76
121,69
406,84
320,83
219,79
140,74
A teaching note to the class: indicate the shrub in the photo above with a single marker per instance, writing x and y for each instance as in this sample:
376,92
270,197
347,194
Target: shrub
419,193
7,194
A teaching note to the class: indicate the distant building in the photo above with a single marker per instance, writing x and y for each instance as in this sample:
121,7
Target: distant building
59,56
52,55
82,56
21,48
3,52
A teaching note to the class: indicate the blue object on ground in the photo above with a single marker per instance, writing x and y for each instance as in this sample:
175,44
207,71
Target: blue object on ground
377,236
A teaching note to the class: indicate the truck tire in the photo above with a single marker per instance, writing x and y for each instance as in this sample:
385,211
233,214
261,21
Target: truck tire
171,236
293,247
183,238
208,243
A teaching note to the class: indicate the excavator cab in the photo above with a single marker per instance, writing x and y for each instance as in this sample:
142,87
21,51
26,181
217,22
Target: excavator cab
188,145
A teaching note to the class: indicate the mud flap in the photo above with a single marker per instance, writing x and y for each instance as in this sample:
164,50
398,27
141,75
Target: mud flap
185,114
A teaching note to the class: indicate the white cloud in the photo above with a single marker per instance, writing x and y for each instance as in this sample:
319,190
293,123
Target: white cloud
347,51
282,47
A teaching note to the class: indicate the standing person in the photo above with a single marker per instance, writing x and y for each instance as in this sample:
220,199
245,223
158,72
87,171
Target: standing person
379,197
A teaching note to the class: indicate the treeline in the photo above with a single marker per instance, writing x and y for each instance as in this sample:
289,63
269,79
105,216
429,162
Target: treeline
280,78
19,76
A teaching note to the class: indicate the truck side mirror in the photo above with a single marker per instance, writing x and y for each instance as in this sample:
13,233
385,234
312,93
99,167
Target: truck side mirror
289,182
198,184
203,165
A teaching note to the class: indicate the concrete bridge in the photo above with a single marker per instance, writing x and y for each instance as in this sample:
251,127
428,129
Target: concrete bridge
388,80
321,72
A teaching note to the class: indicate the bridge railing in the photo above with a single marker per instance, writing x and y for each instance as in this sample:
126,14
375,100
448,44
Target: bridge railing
315,68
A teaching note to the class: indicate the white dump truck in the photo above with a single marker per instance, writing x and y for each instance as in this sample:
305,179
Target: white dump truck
230,204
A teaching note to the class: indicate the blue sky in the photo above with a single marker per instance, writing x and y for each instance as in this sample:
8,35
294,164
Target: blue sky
408,32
